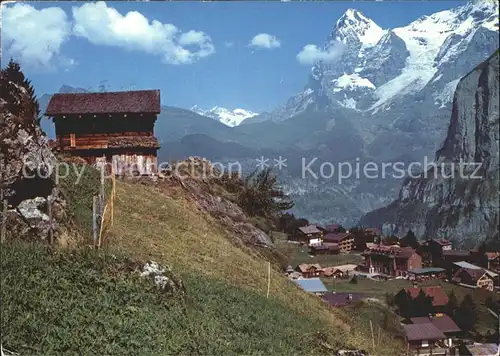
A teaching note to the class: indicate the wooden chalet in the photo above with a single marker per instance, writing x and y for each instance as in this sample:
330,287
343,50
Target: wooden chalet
343,239
309,235
476,278
493,261
114,129
310,270
392,260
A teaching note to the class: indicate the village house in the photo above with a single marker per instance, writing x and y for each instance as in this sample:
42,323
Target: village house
443,323
424,339
493,261
340,271
310,270
436,293
449,257
392,260
113,127
439,245
435,247
343,239
476,278
422,274
479,349
332,272
372,234
309,235
332,228
325,249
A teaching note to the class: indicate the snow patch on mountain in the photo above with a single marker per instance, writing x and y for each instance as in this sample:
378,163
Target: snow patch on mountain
227,117
446,96
425,39
351,81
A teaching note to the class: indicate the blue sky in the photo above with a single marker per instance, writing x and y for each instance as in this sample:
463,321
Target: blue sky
206,59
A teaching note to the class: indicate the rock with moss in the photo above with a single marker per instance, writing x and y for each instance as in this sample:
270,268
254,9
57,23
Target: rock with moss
27,163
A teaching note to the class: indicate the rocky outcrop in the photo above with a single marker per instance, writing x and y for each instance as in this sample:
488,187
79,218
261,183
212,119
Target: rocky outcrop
198,179
27,163
457,197
164,279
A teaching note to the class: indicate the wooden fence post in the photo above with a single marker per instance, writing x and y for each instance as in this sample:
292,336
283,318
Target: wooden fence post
4,219
373,338
94,220
113,181
49,212
268,278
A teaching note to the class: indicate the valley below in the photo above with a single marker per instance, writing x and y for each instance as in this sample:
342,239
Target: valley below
386,100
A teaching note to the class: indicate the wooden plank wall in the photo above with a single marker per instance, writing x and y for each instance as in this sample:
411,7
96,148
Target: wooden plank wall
93,141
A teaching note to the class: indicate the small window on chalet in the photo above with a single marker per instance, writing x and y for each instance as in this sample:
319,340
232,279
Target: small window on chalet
72,140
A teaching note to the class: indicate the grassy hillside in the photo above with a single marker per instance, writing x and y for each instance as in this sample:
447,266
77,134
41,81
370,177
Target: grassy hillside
164,225
80,300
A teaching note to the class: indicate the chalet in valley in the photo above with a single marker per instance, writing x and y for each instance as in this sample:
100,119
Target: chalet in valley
310,235
475,277
392,260
493,261
111,127
436,293
310,270
344,240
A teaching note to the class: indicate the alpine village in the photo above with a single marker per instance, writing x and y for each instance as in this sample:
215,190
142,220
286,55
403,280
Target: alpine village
107,248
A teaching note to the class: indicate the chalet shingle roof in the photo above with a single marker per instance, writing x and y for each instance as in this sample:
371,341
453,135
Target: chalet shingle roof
141,101
442,242
439,297
309,229
456,253
390,251
420,332
474,274
492,255
335,237
307,267
445,324
332,227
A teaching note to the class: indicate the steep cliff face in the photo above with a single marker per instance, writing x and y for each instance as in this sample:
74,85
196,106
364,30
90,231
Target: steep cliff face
457,197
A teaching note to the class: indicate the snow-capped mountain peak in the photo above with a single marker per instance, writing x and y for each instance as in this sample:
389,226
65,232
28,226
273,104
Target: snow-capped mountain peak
227,117
355,27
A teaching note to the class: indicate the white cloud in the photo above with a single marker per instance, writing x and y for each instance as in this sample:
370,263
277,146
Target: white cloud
311,54
103,25
34,37
229,44
265,40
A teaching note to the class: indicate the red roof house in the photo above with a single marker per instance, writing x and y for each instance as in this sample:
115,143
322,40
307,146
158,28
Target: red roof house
437,293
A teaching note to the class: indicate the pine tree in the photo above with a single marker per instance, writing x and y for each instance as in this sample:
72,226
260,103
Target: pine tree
404,302
467,314
422,304
263,197
410,240
452,305
13,74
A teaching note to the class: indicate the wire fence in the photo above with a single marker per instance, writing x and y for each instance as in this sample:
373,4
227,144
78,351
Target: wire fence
103,214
